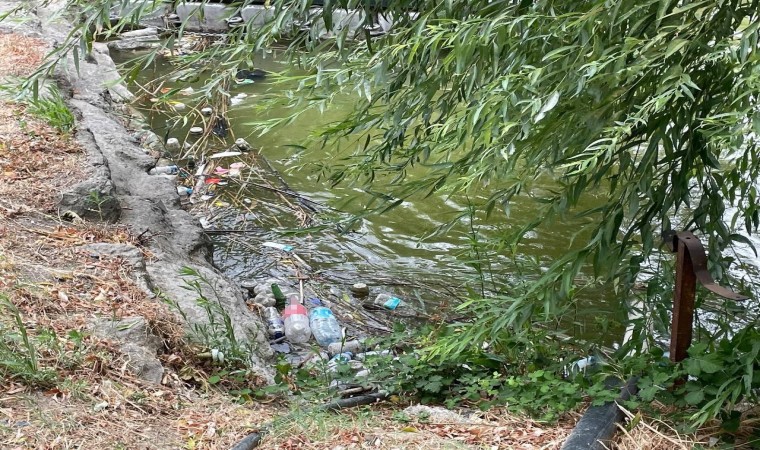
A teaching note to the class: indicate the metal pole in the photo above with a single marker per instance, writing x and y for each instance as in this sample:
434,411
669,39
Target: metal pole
683,303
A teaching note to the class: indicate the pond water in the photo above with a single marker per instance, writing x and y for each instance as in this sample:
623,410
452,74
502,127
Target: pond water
385,250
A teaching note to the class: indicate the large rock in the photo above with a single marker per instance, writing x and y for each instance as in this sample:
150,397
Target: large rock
204,17
136,342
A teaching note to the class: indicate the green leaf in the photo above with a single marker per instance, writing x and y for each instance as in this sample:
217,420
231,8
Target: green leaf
694,397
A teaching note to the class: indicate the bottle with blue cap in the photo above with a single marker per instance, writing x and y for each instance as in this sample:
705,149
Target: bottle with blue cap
324,326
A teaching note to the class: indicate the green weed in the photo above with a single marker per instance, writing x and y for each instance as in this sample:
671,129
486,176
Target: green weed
19,350
53,110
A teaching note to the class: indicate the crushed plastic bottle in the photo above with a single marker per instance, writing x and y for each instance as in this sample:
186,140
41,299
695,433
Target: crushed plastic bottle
384,301
324,326
164,170
297,328
275,325
353,346
184,191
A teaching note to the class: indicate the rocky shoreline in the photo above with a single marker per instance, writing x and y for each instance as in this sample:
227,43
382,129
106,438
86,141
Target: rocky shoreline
120,153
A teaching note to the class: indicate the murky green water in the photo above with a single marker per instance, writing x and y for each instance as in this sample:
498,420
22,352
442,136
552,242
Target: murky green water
384,250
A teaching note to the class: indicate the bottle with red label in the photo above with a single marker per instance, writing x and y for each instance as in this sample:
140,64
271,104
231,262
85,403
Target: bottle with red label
297,328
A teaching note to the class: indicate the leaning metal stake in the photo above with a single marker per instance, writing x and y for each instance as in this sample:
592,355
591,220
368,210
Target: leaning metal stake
691,266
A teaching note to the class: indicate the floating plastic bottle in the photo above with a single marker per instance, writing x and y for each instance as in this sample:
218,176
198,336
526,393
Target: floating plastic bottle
384,301
297,328
164,170
324,326
275,325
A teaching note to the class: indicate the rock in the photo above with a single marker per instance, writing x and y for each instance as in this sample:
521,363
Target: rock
148,205
437,414
137,343
145,32
93,199
131,45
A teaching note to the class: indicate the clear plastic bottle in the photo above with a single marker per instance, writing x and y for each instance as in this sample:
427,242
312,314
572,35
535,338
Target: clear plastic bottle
384,301
297,328
164,170
275,326
324,326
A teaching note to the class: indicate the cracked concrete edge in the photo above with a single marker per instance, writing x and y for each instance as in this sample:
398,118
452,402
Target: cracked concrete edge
146,204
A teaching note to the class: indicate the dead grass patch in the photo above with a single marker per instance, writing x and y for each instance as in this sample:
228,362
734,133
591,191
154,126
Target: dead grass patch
21,55
36,162
377,428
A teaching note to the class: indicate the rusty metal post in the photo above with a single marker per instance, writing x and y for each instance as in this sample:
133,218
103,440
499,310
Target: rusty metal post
683,304
691,266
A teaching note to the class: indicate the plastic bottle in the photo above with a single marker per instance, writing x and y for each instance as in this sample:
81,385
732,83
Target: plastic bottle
297,328
184,191
384,301
164,170
353,346
324,326
275,326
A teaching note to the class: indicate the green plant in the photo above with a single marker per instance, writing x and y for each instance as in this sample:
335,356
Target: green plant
228,359
19,352
53,110
96,201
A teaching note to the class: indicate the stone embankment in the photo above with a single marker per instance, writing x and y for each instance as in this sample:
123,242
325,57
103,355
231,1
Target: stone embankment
121,152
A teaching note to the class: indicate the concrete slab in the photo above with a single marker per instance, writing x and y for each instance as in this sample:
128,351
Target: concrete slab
201,17
257,14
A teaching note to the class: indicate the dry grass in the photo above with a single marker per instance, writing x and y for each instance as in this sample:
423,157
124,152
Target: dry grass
21,55
379,428
94,402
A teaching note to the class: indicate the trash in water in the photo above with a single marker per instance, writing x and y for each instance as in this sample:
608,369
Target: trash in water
324,326
187,91
360,289
275,325
296,320
184,191
235,169
221,170
164,170
242,144
207,111
384,301
353,346
172,145
196,130
278,246
224,155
